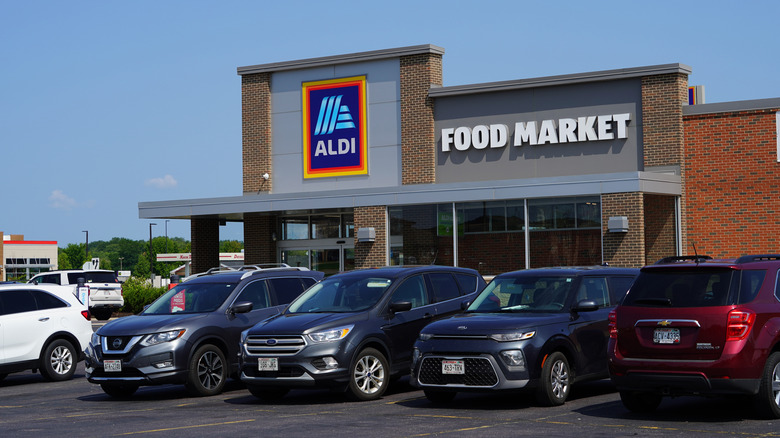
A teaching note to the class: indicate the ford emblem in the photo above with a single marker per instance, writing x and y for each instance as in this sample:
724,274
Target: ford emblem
271,342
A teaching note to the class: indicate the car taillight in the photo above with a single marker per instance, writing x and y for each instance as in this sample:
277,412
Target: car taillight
738,324
86,315
612,318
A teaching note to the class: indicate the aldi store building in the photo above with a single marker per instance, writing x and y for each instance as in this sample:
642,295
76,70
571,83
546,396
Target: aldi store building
366,160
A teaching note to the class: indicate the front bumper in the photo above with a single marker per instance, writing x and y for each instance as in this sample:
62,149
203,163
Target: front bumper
154,365
306,368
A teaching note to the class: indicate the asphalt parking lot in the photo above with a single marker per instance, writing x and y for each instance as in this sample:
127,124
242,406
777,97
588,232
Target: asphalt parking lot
31,407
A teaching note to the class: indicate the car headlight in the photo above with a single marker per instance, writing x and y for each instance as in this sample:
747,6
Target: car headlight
510,337
95,341
331,335
159,338
514,359
425,336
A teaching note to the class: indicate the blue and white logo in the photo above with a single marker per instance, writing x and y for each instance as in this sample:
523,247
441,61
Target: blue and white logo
333,115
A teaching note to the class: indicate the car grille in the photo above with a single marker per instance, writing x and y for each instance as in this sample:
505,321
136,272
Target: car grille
118,344
257,345
284,371
479,372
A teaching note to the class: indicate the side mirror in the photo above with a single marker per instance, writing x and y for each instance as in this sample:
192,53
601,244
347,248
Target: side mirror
400,306
242,307
585,306
465,304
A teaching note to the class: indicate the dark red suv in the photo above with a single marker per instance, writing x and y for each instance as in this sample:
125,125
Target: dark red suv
692,325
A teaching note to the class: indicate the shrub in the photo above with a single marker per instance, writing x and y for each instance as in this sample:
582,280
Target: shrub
138,293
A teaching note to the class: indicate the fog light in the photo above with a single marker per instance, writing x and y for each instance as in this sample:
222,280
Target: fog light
325,363
166,364
514,359
415,355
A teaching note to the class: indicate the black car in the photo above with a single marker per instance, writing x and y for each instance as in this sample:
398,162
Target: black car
540,328
190,334
352,331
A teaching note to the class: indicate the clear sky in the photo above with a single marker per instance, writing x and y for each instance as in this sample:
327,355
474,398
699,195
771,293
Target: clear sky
105,104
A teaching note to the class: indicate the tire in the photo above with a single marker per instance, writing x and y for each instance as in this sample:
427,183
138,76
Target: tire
640,402
442,397
268,393
119,391
208,371
58,361
767,401
102,314
555,381
369,376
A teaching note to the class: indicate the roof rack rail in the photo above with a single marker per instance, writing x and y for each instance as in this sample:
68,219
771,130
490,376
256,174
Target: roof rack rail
758,258
673,259
261,266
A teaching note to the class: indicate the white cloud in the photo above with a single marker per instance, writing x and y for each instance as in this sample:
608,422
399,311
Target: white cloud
162,183
61,201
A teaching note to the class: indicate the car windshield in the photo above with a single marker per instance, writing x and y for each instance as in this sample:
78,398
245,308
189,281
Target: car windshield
191,298
341,295
533,294
93,277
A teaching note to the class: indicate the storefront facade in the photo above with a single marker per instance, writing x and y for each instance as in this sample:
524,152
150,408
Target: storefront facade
366,160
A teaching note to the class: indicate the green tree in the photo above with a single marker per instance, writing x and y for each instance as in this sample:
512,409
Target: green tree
63,261
230,246
76,254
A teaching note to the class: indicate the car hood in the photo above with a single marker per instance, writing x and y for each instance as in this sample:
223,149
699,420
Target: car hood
489,323
303,323
144,324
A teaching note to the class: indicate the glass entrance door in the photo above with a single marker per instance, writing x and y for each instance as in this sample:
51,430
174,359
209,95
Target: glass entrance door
327,260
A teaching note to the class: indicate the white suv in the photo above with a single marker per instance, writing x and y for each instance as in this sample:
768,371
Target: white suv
105,291
42,328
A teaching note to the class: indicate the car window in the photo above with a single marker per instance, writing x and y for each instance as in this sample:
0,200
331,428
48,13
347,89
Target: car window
284,290
618,287
308,282
444,286
467,282
17,301
527,293
191,298
412,290
92,277
47,301
341,295
750,285
686,287
256,293
594,289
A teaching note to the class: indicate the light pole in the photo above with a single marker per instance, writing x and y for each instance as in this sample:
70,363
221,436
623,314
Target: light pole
151,260
120,263
86,249
166,235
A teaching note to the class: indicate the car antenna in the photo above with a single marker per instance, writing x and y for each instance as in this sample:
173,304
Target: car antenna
695,253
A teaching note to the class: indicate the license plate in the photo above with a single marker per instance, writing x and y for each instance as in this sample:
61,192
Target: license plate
112,366
452,367
666,336
268,364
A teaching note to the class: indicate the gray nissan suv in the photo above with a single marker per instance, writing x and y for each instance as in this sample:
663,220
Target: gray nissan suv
190,334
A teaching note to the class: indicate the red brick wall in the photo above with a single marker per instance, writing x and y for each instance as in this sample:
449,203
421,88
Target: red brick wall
371,254
256,131
205,243
418,152
733,186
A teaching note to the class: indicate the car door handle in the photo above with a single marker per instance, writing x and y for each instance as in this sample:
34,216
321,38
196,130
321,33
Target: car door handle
427,316
43,319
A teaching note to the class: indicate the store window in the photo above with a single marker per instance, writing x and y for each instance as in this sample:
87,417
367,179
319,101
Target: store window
319,226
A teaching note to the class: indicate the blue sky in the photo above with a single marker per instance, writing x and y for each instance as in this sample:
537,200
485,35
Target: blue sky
106,104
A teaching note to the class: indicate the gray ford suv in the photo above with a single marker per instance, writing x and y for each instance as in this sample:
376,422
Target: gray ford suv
190,334
352,331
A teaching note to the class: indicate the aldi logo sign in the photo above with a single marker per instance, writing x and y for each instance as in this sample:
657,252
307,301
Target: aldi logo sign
335,141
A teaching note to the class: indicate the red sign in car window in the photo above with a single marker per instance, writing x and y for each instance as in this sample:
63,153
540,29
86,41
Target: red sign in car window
177,302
